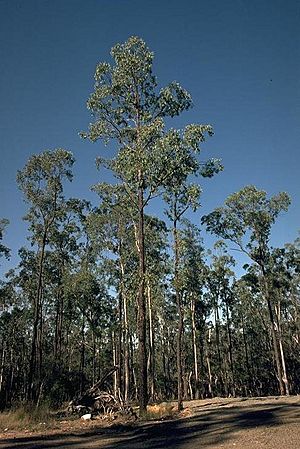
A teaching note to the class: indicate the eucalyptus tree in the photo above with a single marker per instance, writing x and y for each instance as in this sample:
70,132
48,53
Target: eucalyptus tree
90,317
291,262
219,278
158,271
181,195
111,228
254,369
179,199
286,274
284,285
192,275
67,244
41,182
252,311
3,249
128,108
246,219
87,289
17,295
12,330
240,318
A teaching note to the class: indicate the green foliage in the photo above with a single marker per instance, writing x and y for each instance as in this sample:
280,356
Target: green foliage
41,183
3,249
191,267
128,107
248,210
41,178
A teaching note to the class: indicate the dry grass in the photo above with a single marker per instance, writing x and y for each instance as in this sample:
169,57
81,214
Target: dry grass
26,417
161,411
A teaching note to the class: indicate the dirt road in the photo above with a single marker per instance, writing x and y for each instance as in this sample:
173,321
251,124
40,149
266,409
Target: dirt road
268,423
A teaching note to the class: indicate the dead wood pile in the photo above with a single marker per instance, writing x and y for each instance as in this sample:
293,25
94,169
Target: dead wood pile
97,401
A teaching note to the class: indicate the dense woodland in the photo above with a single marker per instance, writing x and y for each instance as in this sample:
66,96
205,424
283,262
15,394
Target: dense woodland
106,284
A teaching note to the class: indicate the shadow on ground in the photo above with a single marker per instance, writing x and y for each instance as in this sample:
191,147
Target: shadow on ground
206,429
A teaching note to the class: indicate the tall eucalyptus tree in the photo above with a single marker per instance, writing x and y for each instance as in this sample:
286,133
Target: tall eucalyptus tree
246,219
128,108
41,181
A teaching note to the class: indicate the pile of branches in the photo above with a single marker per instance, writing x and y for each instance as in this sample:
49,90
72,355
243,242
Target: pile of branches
96,401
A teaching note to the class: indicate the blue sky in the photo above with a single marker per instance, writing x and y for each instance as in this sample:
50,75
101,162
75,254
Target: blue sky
240,60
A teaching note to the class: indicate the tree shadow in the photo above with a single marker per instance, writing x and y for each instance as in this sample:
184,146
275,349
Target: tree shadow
206,429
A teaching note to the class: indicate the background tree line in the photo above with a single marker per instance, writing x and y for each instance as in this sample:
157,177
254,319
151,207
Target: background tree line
110,285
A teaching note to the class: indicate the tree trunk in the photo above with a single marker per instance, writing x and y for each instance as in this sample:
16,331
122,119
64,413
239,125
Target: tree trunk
114,353
126,352
2,362
119,344
217,327
31,392
58,328
284,377
229,336
124,318
82,357
133,370
249,376
284,372
208,365
274,334
151,346
94,361
170,390
195,357
141,318
180,318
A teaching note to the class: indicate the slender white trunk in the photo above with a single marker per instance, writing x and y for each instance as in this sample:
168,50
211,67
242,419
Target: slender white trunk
126,351
284,376
115,381
208,365
194,348
151,343
2,366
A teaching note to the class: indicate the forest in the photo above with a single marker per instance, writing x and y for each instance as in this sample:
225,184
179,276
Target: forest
109,285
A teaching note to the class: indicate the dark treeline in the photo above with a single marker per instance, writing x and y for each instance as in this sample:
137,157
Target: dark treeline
109,285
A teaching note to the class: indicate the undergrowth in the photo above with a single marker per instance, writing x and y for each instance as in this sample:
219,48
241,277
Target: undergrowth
26,417
160,411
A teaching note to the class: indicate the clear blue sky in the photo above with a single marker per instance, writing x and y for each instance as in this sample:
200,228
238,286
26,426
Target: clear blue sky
239,59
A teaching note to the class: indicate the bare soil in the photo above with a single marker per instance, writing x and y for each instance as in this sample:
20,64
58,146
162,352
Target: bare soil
236,423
